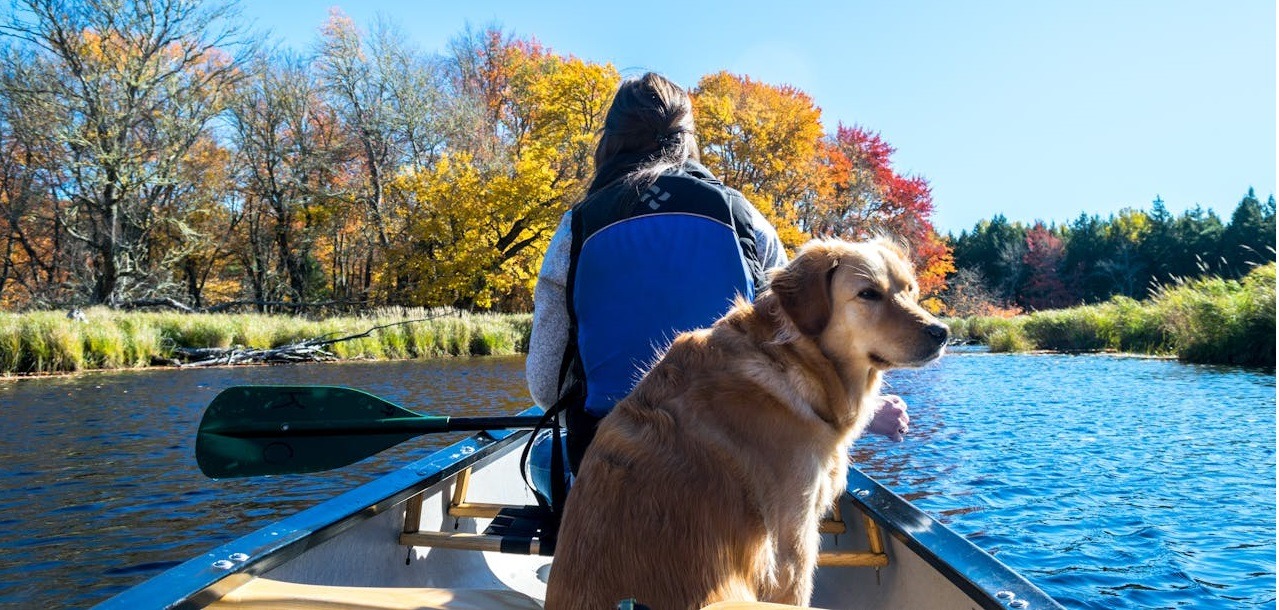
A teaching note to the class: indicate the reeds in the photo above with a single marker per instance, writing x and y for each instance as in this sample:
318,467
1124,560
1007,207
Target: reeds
1206,320
49,342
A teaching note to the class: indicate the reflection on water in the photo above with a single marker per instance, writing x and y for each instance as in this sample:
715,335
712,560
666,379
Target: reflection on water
100,489
1109,482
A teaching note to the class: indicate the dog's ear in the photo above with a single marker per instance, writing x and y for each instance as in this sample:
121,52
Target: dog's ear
803,289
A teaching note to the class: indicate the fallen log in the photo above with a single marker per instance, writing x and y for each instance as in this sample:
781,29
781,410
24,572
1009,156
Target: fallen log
307,350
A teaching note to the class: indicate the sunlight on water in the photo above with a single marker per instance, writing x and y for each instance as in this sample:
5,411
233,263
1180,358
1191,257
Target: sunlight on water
1109,482
100,489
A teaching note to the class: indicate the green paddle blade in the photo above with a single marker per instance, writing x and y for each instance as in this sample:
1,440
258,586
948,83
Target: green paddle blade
260,430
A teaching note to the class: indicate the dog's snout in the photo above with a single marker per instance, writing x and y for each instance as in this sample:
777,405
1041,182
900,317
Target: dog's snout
939,332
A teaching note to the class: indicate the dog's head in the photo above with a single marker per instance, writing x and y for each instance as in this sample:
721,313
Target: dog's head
860,302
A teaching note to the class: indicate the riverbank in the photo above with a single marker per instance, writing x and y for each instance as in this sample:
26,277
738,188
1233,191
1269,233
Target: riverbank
1207,321
50,342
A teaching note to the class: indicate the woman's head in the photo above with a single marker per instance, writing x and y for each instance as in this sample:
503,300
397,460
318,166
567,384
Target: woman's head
649,122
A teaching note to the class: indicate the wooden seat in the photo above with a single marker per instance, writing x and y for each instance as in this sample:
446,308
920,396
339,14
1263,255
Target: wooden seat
521,529
267,594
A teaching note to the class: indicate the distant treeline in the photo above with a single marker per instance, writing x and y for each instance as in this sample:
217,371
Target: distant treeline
1208,320
1007,266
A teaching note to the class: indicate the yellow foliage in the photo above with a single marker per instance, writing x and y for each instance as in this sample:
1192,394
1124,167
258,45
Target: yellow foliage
764,140
481,229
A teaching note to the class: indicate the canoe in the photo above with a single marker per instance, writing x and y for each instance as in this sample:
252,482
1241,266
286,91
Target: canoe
454,530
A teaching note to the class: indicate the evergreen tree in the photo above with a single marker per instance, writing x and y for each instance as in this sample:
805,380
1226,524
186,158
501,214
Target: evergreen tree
1250,237
995,249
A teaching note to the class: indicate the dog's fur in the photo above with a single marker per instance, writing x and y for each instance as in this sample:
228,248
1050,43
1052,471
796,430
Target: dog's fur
708,481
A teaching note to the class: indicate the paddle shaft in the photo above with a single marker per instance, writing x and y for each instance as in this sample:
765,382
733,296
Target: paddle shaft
389,425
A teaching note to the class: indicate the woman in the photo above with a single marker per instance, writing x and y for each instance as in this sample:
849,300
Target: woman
659,246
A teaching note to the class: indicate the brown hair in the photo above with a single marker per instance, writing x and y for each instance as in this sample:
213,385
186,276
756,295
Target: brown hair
648,129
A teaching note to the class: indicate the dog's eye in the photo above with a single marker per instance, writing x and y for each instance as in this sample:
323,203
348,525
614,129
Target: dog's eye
870,295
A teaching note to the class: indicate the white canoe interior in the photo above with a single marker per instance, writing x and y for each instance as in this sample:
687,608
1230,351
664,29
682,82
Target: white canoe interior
423,554
416,538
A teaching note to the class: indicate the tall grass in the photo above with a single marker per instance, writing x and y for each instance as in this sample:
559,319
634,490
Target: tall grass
49,342
1207,320
1223,321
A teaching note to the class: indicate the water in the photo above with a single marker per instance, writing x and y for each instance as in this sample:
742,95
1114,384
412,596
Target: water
1110,482
98,484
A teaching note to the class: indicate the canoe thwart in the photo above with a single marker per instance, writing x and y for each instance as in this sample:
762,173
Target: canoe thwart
514,529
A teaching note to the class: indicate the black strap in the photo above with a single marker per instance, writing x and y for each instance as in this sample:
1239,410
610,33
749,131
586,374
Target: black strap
572,398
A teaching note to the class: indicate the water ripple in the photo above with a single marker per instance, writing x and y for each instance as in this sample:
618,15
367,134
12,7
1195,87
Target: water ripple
1109,482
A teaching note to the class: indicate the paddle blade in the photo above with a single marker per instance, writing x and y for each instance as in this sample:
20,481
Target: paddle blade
260,430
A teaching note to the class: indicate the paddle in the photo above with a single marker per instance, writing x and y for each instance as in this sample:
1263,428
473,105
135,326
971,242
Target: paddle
258,430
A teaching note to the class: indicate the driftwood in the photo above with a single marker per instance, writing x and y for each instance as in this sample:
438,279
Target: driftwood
171,303
308,350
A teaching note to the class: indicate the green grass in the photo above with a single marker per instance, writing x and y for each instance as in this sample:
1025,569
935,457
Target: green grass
1208,320
48,342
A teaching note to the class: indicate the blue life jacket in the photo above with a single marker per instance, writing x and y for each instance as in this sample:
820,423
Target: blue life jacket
643,268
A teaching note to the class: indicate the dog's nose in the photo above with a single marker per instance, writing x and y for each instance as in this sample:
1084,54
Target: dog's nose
939,332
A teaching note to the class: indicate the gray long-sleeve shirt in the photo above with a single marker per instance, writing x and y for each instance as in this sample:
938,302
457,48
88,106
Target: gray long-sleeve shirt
550,304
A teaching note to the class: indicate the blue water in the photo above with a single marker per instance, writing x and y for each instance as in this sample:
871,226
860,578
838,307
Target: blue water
1110,482
99,489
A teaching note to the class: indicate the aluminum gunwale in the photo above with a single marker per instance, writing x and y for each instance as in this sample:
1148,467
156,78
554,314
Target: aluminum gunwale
204,579
985,579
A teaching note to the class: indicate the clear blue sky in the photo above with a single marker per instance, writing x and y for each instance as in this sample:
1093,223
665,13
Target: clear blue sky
1032,109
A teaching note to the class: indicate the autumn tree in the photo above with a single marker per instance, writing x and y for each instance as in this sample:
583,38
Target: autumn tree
1043,287
487,212
37,256
766,141
868,197
283,135
137,84
393,104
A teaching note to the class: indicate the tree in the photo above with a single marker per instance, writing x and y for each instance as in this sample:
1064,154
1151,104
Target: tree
37,257
996,249
967,294
1043,287
1124,266
764,140
136,82
391,100
868,197
1249,239
484,225
1087,246
282,131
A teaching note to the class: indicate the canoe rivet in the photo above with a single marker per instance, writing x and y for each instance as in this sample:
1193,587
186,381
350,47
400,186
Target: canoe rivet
1019,603
862,493
468,450
238,557
223,564
284,427
1009,595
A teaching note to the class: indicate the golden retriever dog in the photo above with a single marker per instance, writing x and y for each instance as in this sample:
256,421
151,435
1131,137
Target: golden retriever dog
708,481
